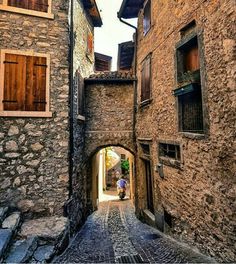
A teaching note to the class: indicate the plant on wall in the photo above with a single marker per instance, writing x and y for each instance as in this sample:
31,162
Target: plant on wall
125,166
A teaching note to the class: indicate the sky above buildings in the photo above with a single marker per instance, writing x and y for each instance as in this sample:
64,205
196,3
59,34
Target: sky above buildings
113,31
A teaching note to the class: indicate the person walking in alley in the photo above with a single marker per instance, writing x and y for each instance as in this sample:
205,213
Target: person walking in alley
121,187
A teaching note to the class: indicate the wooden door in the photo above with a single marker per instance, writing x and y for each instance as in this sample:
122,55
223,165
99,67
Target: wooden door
149,185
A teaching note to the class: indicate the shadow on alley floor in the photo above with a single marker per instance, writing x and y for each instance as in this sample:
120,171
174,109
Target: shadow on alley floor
114,235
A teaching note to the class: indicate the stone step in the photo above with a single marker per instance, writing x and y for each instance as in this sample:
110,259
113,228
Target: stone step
43,253
22,250
5,239
3,213
12,221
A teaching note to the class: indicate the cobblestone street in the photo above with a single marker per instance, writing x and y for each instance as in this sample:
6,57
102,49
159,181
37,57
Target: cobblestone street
114,235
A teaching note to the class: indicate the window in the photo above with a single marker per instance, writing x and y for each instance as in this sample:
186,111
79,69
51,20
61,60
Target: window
145,149
188,61
41,8
122,157
146,79
190,111
169,154
188,93
147,17
169,151
25,82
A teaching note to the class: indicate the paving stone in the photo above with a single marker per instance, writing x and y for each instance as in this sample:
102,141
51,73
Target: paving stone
43,253
113,234
5,237
22,251
12,221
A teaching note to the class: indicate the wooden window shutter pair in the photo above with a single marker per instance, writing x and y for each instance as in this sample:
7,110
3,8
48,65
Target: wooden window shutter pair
37,5
24,83
146,79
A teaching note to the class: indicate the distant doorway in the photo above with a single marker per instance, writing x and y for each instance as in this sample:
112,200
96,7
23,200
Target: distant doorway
149,185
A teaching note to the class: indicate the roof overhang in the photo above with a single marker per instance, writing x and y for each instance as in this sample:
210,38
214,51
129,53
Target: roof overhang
92,9
130,8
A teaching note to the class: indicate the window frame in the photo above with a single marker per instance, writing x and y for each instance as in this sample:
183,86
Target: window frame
6,113
197,77
169,161
5,7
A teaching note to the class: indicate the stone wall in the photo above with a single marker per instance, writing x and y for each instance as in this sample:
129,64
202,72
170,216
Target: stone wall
34,151
83,65
109,122
199,195
109,116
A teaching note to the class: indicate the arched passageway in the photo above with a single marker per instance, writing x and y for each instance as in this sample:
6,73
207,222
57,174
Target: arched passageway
105,166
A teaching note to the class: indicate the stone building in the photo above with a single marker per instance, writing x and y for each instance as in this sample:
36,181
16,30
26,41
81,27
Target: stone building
185,120
36,84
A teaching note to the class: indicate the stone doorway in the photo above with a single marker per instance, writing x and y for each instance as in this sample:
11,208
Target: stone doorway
105,167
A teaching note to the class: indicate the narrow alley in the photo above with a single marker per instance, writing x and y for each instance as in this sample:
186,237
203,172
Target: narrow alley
114,235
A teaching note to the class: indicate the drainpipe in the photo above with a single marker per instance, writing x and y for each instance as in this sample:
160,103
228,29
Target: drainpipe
71,102
135,106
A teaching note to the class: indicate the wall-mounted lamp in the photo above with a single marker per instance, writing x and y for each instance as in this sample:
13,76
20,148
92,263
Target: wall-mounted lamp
159,169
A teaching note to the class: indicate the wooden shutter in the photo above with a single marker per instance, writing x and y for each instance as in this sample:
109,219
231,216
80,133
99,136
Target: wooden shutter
19,3
146,79
192,59
90,42
14,82
37,5
143,84
36,84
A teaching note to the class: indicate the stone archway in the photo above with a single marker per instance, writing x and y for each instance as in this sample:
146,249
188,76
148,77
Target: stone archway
94,163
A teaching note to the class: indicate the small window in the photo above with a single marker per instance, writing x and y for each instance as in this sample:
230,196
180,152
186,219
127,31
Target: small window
122,157
147,17
36,5
169,151
25,83
145,149
146,79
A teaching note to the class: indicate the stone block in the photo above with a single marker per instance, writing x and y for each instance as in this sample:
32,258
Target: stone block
43,253
3,212
12,221
22,251
11,146
50,227
13,130
5,238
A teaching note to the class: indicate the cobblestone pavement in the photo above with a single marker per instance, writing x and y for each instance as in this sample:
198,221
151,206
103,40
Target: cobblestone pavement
114,235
